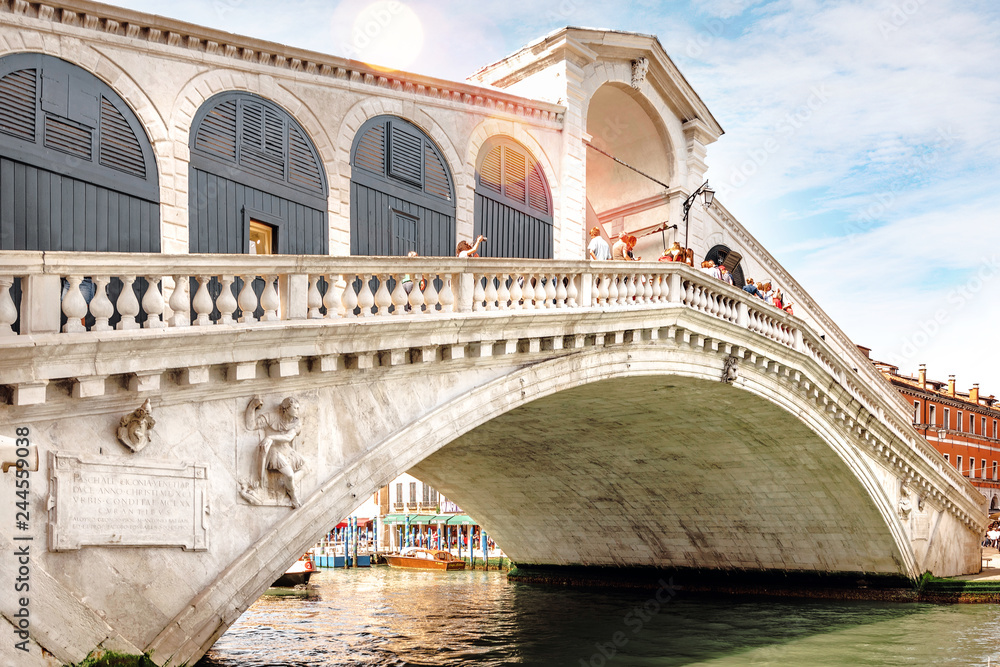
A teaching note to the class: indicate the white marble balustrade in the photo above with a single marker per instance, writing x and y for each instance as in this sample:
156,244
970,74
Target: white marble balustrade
241,290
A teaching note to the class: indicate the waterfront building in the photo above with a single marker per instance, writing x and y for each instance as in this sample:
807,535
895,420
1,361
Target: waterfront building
963,426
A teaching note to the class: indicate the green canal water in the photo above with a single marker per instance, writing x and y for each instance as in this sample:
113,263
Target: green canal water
382,616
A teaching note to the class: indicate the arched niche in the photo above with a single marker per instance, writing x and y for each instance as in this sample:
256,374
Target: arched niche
77,170
255,174
722,255
513,202
623,124
402,191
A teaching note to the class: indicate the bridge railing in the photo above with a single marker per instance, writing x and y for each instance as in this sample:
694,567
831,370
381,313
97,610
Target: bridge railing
46,293
79,292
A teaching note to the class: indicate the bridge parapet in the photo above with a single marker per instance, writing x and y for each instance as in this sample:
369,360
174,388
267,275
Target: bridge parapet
322,314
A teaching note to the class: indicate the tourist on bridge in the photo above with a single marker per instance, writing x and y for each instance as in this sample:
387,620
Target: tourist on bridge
598,247
465,250
751,288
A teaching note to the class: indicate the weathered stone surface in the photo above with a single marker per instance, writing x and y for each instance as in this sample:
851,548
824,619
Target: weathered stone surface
104,502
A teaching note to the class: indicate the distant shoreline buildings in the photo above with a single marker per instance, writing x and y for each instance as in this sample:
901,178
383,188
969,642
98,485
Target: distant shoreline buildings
963,426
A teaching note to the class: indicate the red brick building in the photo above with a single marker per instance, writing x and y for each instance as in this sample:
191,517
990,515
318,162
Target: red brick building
963,426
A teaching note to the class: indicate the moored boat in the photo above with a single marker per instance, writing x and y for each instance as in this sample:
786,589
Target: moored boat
428,559
298,573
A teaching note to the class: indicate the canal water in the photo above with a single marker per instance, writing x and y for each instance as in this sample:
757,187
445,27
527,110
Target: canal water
381,616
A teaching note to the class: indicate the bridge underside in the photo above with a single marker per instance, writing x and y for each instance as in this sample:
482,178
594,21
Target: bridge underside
664,471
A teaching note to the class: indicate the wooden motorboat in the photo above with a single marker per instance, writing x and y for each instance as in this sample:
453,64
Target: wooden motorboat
298,573
427,559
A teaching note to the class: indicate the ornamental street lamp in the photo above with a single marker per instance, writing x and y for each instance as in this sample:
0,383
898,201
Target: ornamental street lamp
709,194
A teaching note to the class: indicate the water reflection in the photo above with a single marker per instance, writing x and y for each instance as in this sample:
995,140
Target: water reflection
384,616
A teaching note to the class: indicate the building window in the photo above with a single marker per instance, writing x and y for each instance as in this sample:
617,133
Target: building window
958,463
983,431
983,475
946,457
434,496
399,492
958,420
426,492
916,412
972,467
994,429
931,419
972,423
413,492
947,418
994,471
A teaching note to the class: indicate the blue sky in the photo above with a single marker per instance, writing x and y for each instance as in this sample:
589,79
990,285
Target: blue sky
861,144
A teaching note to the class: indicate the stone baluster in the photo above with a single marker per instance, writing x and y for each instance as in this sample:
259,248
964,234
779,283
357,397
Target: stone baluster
447,296
314,300
490,293
604,290
527,292
742,314
623,290
382,297
552,285
655,283
74,306
180,304
202,302
561,292
540,289
128,305
429,295
637,289
333,299
248,301
400,299
572,294
100,306
152,304
227,303
647,292
365,297
269,300
478,293
8,311
516,294
349,298
503,292
610,291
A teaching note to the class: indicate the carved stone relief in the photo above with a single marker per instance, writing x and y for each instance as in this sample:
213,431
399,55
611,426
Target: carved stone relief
639,68
277,467
731,370
135,428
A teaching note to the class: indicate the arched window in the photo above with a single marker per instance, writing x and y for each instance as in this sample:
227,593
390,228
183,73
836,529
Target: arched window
77,171
513,207
723,256
256,181
402,195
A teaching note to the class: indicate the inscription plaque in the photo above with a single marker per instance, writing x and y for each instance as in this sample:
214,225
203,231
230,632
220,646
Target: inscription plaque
96,502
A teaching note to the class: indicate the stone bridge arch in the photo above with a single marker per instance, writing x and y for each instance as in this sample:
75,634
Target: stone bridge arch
864,532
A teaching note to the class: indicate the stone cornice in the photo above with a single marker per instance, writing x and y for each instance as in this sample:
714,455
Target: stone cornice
132,25
952,401
607,45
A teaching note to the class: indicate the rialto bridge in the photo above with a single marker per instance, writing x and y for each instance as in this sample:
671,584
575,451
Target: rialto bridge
666,418
195,416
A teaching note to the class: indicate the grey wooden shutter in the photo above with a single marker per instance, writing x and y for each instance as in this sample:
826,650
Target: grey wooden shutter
119,147
512,203
405,155
216,134
370,152
18,91
435,174
302,166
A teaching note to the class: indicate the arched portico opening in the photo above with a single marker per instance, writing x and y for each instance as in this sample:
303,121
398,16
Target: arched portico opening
622,123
